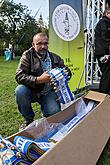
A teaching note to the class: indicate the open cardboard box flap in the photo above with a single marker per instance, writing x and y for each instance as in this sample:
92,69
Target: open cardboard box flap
95,96
85,142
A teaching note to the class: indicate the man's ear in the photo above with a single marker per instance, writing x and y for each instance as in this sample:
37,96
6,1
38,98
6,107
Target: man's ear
33,44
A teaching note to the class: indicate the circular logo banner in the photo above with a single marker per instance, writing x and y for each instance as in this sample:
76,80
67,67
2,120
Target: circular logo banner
66,22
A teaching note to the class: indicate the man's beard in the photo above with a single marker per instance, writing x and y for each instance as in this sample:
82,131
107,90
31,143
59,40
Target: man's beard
43,52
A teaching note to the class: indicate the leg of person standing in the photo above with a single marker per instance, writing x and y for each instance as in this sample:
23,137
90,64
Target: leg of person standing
104,85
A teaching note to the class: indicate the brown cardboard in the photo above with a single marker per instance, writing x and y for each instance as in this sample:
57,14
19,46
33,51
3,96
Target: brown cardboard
85,142
92,95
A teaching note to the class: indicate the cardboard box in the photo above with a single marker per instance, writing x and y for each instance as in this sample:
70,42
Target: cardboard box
85,142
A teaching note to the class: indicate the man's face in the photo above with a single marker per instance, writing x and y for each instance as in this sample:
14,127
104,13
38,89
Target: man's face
40,44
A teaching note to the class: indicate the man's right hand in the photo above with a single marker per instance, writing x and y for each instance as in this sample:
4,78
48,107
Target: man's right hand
44,78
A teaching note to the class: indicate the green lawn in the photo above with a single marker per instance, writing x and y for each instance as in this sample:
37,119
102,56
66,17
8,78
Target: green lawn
10,119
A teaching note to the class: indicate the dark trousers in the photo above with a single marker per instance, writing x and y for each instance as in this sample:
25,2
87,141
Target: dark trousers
104,85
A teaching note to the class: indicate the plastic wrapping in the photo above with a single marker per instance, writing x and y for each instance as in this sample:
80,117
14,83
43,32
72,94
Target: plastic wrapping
56,131
48,129
80,107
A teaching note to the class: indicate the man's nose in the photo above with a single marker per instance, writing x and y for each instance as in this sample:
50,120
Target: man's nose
43,45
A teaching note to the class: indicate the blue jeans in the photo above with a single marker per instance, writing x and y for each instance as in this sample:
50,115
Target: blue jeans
25,96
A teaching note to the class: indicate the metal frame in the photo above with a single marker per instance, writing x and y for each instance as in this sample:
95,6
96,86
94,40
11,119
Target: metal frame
94,10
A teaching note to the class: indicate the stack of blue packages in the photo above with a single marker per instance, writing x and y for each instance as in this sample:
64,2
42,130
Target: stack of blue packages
59,81
32,149
10,154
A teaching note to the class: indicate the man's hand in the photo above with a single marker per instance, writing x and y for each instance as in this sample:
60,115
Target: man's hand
44,78
104,59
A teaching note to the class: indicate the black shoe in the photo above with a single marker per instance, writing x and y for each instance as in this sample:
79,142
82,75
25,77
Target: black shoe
25,124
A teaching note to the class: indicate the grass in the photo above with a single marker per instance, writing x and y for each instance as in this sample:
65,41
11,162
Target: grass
105,156
10,118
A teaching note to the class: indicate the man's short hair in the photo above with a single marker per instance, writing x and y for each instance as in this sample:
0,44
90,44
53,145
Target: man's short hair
41,34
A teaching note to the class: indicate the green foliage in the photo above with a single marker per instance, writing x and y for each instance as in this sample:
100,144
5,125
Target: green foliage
12,18
17,27
24,41
10,118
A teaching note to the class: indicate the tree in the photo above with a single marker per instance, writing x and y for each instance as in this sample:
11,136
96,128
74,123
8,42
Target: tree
17,26
25,36
13,18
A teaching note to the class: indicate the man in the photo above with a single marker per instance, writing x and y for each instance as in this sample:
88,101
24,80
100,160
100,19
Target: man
33,80
102,50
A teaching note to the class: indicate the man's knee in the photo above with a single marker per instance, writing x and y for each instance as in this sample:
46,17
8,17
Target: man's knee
21,90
